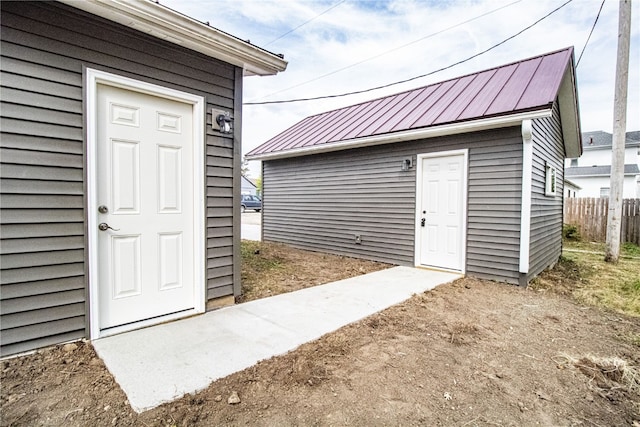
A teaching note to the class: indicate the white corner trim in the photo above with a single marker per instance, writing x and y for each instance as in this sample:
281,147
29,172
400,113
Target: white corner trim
92,79
166,24
525,210
408,135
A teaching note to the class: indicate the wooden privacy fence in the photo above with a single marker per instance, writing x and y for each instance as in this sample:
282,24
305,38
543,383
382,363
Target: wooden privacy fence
590,216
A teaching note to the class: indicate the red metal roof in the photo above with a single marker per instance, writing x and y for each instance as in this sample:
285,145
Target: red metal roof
528,85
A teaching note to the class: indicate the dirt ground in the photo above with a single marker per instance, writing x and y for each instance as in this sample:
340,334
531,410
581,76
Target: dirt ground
274,268
468,353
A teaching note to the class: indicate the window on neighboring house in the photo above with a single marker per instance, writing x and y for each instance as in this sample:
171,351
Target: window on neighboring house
574,162
550,181
604,192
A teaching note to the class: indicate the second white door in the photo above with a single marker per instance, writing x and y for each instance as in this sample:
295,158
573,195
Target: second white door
440,211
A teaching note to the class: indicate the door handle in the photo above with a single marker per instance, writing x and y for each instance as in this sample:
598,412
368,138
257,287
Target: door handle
103,226
422,221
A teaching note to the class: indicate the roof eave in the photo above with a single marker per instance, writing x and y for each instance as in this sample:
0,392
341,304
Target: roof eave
599,175
609,146
409,135
166,24
572,184
570,113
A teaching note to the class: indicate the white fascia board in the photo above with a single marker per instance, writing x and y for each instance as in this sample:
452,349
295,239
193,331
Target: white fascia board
602,175
568,182
568,105
409,135
166,24
609,147
598,147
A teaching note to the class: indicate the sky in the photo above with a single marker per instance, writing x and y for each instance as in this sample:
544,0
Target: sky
339,46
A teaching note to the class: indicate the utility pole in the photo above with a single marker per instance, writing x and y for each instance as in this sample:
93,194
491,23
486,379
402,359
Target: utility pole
619,133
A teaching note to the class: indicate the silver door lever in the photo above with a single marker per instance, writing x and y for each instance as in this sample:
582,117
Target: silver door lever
103,226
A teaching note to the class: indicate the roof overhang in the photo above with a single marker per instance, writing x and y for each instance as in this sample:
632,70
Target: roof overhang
409,135
570,113
569,183
609,147
166,24
600,175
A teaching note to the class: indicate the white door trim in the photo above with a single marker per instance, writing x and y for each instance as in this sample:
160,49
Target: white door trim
419,171
92,79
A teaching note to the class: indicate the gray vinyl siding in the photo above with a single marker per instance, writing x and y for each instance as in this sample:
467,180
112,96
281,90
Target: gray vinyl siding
320,202
546,211
494,205
45,48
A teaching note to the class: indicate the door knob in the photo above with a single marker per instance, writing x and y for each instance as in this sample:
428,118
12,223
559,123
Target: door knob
103,226
422,221
103,209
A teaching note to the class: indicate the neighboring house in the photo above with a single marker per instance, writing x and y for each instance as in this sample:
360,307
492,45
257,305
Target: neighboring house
248,187
570,188
464,175
592,171
120,192
258,184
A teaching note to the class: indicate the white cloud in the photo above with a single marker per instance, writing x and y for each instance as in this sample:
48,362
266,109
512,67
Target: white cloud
356,30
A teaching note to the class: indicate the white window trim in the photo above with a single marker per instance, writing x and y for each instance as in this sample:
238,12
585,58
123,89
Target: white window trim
92,79
550,180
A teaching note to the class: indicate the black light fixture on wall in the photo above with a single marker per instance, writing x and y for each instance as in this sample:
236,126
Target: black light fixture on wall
225,123
407,164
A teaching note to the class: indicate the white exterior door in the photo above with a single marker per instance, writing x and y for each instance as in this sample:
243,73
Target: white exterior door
440,211
144,193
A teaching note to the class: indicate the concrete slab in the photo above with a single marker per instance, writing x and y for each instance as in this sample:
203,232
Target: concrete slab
161,363
251,232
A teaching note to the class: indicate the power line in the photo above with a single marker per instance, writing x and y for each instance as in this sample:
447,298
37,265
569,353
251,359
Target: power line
416,77
590,32
395,49
304,23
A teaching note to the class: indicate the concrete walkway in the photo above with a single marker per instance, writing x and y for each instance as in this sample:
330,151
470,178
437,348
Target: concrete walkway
251,228
251,232
161,363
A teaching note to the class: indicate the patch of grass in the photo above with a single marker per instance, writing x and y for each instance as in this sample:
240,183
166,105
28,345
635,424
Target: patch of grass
627,249
584,246
631,287
564,278
256,260
571,232
585,276
612,286
257,263
630,249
